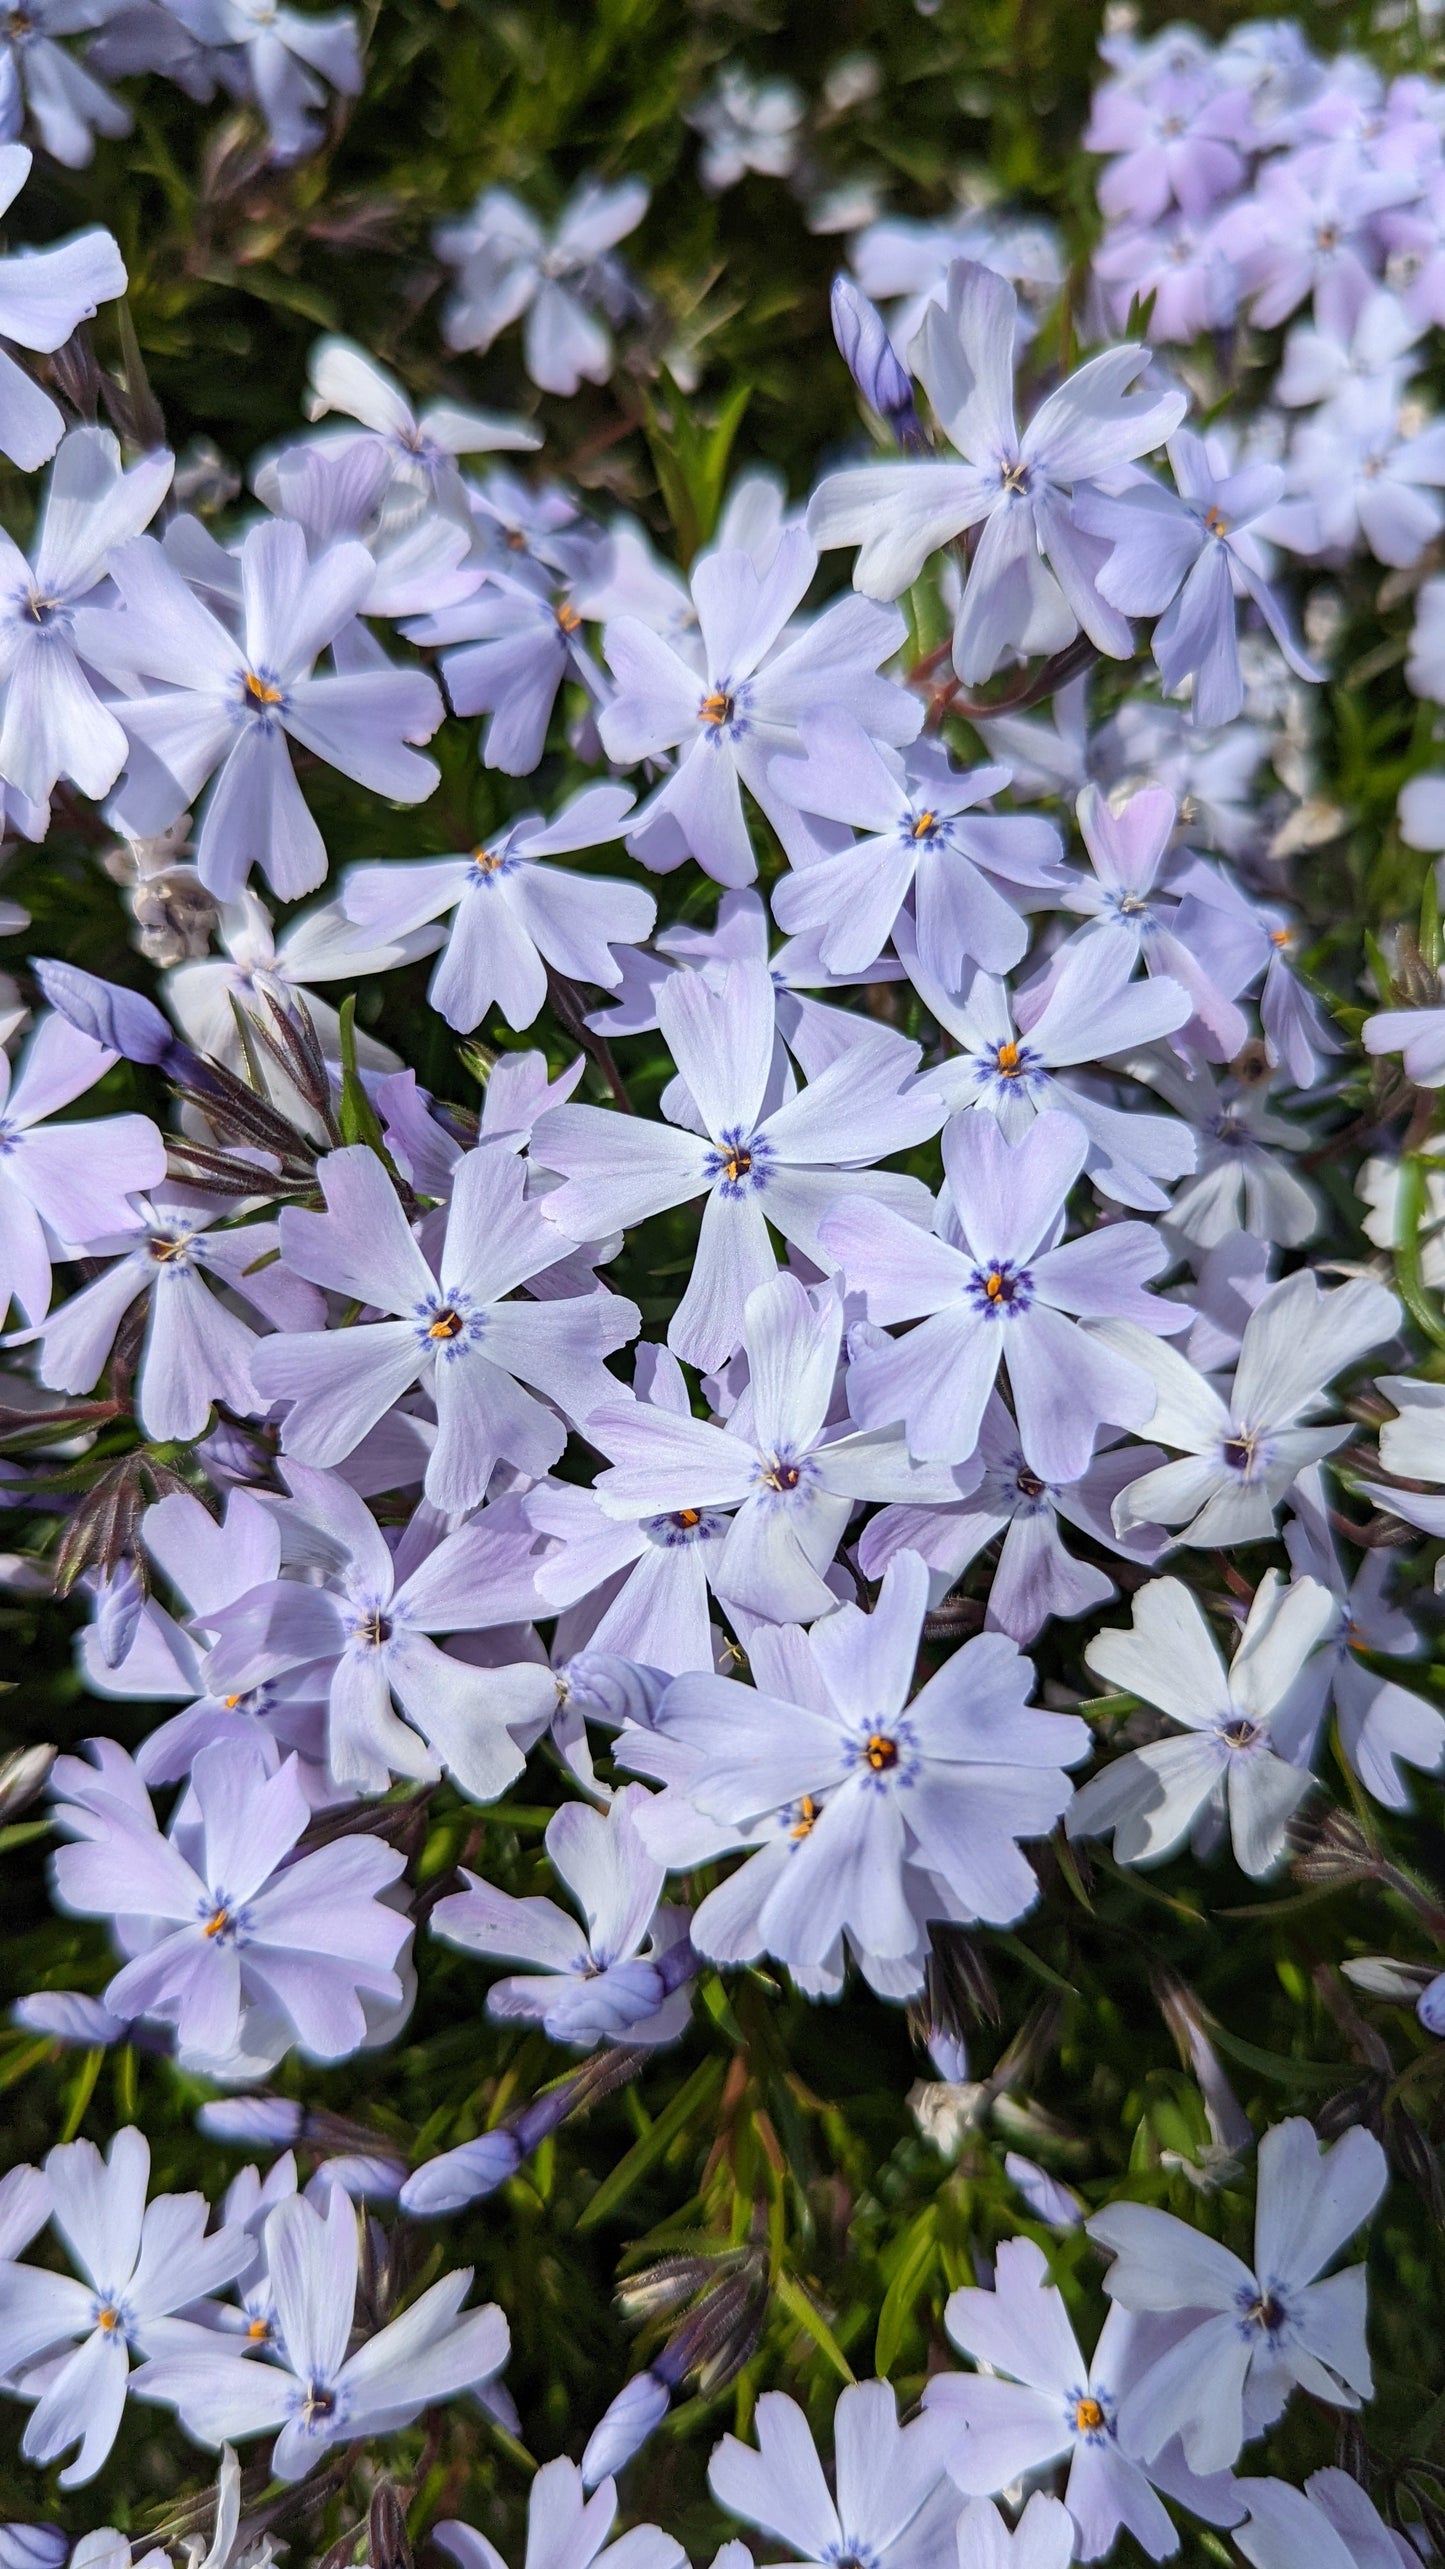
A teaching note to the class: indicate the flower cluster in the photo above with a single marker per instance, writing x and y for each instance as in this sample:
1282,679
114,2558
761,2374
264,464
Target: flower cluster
937,1247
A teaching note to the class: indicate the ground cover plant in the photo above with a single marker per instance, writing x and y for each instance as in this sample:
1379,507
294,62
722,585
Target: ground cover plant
723,1227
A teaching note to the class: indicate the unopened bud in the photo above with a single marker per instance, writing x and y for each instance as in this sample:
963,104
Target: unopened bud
873,362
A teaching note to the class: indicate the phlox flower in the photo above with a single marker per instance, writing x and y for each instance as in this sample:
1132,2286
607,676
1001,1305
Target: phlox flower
620,1978
1181,264
65,102
1417,1033
1134,903
1175,145
245,1947
1381,1724
892,2505
1036,2401
478,1349
223,704
1359,475
758,1157
510,265
44,294
1009,1060
1233,1759
196,1349
62,1185
363,1637
1241,1451
513,914
923,835
870,1788
70,2341
784,1481
1307,229
1033,580
506,651
1184,556
992,1285
746,124
421,449
210,1566
1254,2334
52,723
306,2384
999,1493
289,58
566,2530
1331,2523
1243,1180
729,707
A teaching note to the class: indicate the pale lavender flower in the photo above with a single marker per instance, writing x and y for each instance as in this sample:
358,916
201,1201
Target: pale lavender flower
420,448
478,1348
908,264
1254,2334
66,103
246,1948
510,265
1237,1758
757,1158
1243,1180
1036,1576
621,1977
746,124
363,1636
1381,1724
289,57
44,294
196,1349
1417,1033
1043,2537
729,709
1009,1064
1319,364
223,705
1180,265
648,1574
1242,1451
1185,559
62,1185
1036,2402
872,1791
513,914
505,652
316,2393
52,723
70,2341
893,2506
1331,2523
924,836
566,2529
1179,144
1033,581
991,1287
210,1566
1306,230
1132,902
1359,474
785,1481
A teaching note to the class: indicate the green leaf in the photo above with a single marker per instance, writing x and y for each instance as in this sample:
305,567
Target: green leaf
799,2307
692,2099
920,2254
691,462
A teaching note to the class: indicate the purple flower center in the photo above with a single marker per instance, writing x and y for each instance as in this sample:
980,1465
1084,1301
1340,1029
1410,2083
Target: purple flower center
1262,2310
685,1525
262,696
1000,1290
783,1474
740,1163
448,1324
223,1921
885,1753
724,709
1247,1453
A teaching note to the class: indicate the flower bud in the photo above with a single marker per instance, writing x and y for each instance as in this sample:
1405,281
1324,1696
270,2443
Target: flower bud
873,362
624,2427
